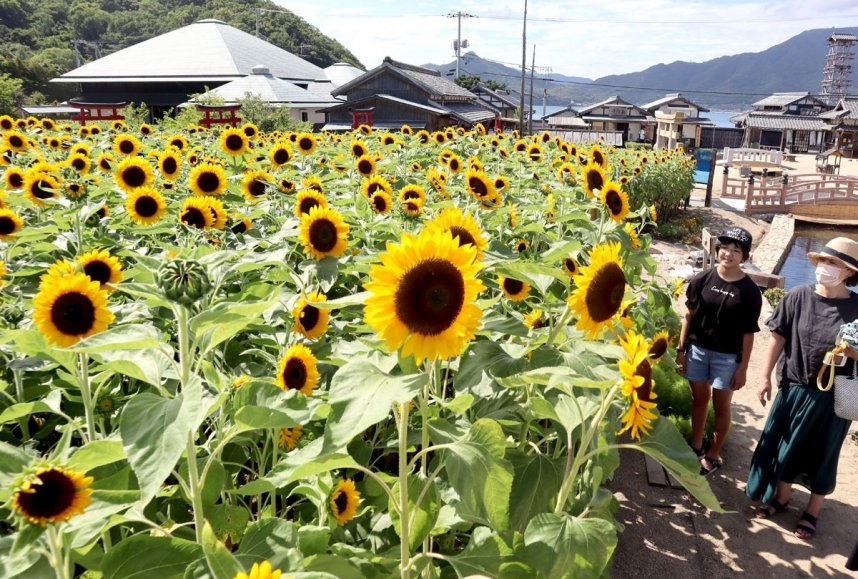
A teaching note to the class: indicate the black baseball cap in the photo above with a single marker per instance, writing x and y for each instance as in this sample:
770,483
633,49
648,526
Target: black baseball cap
737,235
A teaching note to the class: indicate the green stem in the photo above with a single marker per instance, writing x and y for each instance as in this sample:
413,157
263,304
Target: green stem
86,395
195,488
384,486
405,554
560,323
57,550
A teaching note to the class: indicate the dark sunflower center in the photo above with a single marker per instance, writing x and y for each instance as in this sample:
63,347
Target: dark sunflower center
208,181
570,265
598,158
411,206
463,235
411,195
239,227
40,190
194,217
512,286
280,156
309,317
126,147
342,502
454,165
73,313
521,247
6,124
249,132
256,187
594,180
430,296
644,370
145,206
373,187
308,203
51,498
477,186
169,165
379,203
358,151
305,144
134,176
98,271
658,348
104,165
295,374
605,293
234,143
16,141
365,167
614,202
323,235
78,164
7,225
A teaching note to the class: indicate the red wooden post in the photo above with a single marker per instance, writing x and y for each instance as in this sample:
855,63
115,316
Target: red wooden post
362,117
96,111
219,115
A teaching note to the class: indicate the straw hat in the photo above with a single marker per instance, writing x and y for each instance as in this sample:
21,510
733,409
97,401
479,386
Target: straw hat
841,249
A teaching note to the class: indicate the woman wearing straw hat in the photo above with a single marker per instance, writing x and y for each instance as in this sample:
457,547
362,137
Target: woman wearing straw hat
802,438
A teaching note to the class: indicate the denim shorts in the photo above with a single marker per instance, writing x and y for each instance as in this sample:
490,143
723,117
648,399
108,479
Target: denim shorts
716,368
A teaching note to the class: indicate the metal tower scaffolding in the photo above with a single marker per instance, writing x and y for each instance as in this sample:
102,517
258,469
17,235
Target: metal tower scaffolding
838,67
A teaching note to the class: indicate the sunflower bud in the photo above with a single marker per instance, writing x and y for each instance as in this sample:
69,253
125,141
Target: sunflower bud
11,315
183,281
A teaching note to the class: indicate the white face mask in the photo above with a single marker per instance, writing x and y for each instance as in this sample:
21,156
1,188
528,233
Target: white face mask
828,274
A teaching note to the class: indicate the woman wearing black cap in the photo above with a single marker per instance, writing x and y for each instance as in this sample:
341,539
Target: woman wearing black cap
802,438
723,306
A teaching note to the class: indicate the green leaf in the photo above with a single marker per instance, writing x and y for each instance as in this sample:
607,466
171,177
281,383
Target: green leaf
568,547
13,459
313,459
147,365
423,516
122,337
223,321
483,555
496,322
220,561
666,445
154,432
151,293
479,357
273,539
313,540
97,453
264,405
23,409
228,521
98,515
362,395
33,343
480,475
147,557
534,490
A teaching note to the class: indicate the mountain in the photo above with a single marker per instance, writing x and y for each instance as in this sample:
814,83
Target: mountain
726,83
43,39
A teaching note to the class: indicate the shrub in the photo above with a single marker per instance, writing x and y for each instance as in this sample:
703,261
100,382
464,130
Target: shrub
774,295
665,180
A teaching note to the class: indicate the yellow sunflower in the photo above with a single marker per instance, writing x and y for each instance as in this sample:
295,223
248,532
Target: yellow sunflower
634,238
105,162
288,437
260,571
280,153
358,148
59,269
306,143
255,184
600,287
196,213
593,177
133,172
323,233
72,308
380,202
126,145
145,206
463,227
534,320
653,214
373,184
10,224
306,199
170,164
234,142
298,371
365,165
240,224
637,385
412,193
40,186
218,211
344,501
207,179
423,136
16,141
479,185
423,295
101,267
250,130
310,321
597,156
501,183
659,345
521,245
534,151
615,200
454,163
13,178
515,290
412,208
51,495
80,163
286,185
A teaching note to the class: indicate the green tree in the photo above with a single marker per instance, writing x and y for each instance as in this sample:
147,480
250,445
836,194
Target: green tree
10,89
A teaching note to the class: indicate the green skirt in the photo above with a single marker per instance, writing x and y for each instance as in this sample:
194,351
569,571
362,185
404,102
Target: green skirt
800,444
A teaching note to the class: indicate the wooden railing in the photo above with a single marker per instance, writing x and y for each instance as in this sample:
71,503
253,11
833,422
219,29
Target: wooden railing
776,194
750,156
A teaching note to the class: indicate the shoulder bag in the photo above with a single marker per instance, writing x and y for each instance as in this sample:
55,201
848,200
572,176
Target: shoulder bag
845,388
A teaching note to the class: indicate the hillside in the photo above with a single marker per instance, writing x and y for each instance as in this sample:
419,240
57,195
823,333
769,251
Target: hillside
728,82
43,39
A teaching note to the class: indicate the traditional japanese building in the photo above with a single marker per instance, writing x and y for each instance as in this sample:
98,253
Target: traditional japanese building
843,122
687,115
618,115
786,121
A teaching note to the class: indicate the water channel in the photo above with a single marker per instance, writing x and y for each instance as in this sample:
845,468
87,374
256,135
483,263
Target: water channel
796,269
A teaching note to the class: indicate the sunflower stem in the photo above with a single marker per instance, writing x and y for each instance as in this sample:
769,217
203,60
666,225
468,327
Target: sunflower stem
560,323
195,488
58,556
86,395
404,515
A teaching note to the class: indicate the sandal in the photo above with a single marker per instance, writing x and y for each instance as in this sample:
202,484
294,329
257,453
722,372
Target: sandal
698,452
714,464
770,509
806,527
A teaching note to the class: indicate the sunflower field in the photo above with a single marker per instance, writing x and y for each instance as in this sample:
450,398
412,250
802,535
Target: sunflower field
230,353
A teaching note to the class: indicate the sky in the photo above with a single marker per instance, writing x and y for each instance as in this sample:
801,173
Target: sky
586,39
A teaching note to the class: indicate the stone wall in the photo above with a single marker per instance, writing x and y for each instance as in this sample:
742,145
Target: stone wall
770,254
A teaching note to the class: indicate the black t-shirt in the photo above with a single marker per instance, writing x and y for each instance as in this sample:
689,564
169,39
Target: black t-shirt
810,323
724,311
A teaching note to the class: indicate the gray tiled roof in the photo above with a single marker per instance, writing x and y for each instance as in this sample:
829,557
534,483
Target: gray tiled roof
471,112
341,73
780,99
205,50
270,89
787,122
675,97
431,79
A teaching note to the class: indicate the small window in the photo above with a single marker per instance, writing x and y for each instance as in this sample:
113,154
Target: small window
305,116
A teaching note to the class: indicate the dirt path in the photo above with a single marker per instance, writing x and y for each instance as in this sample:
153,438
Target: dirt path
668,535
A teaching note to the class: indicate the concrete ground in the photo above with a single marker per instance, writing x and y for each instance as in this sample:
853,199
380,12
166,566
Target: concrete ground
668,534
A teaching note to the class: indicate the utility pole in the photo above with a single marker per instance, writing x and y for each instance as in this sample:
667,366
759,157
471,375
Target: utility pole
523,69
458,44
530,106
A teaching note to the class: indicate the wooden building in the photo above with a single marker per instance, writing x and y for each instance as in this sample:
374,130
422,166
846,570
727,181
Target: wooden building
786,121
843,122
688,120
394,94
616,114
